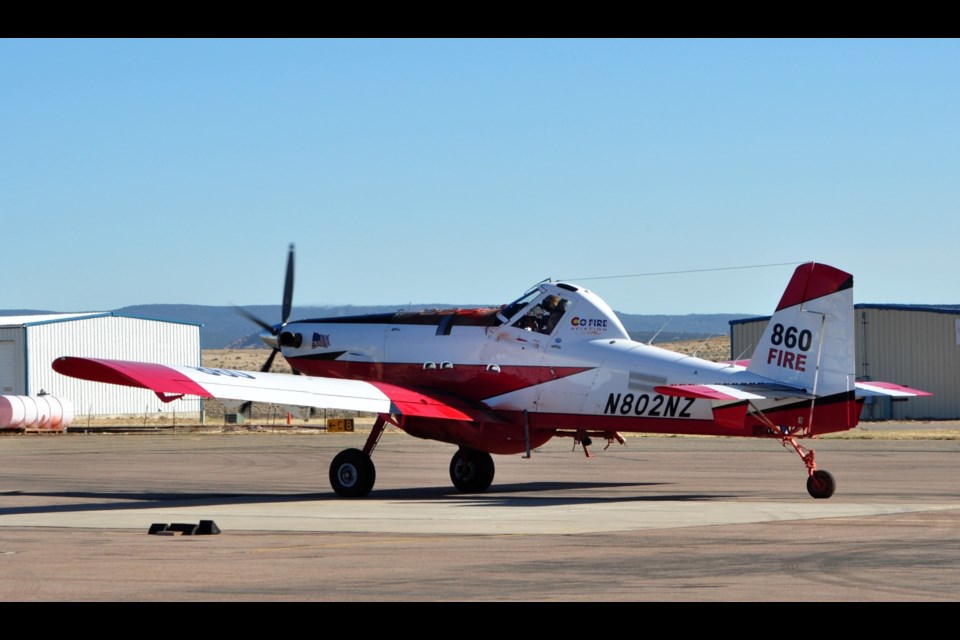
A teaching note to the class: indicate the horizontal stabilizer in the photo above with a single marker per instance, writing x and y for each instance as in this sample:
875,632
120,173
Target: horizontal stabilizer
872,388
746,391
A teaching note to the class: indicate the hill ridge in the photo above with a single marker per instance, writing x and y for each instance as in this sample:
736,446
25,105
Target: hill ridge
223,327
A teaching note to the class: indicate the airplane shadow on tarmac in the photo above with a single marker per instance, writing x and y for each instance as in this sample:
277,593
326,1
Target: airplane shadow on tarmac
493,498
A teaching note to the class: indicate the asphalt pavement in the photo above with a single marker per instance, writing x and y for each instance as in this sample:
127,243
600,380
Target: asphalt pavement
116,517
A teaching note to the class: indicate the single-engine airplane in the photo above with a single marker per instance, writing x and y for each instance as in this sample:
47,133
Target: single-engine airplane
555,362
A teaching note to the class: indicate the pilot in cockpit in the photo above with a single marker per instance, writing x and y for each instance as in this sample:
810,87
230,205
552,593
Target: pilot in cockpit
554,306
544,316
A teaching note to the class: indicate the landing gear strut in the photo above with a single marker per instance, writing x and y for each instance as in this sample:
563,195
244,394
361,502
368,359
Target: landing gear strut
820,483
352,473
471,471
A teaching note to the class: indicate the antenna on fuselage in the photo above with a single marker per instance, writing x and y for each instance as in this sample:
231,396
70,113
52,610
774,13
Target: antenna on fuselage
658,333
704,343
742,353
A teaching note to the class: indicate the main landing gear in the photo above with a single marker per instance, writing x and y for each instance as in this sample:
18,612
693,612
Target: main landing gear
352,473
471,471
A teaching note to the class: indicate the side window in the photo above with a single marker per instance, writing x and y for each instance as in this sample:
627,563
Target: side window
544,316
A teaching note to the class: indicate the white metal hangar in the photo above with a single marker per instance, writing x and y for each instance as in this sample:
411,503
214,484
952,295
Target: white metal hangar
30,344
914,345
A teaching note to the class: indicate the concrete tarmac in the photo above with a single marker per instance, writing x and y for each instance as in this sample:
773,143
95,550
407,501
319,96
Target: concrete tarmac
660,519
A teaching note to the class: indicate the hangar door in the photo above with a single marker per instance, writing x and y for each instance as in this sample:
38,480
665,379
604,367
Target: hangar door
8,367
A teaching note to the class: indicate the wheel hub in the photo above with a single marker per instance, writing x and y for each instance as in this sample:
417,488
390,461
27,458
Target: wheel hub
464,470
348,475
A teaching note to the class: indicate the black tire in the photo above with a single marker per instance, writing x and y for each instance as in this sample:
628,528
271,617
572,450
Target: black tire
821,484
471,471
352,474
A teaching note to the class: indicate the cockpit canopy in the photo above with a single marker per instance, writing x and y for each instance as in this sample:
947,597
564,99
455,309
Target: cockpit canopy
559,308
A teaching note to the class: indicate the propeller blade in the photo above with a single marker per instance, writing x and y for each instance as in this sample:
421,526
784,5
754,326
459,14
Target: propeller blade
269,363
288,289
261,323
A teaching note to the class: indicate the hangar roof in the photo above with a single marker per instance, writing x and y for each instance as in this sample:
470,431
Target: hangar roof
929,308
47,318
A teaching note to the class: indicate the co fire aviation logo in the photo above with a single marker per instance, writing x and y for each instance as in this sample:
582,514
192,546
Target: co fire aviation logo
590,325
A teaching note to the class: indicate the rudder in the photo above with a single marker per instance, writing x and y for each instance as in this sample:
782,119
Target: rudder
809,340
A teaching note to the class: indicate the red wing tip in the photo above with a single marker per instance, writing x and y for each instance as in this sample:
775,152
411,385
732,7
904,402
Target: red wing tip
146,375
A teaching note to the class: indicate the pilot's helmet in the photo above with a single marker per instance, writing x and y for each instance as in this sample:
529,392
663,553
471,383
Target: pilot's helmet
550,303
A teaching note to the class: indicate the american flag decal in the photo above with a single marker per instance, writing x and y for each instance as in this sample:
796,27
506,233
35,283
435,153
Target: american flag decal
320,341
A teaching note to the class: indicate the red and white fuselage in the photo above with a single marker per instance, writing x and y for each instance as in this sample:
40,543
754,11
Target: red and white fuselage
555,362
582,373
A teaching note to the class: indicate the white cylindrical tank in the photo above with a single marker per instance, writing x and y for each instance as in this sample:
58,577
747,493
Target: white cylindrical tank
12,412
48,413
61,413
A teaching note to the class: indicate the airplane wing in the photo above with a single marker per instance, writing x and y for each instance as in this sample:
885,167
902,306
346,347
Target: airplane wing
173,382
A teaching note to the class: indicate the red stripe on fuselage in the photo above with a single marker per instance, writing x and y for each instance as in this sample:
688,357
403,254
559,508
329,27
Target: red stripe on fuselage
470,381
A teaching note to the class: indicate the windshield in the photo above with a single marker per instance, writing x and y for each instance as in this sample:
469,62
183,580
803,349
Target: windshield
511,309
544,316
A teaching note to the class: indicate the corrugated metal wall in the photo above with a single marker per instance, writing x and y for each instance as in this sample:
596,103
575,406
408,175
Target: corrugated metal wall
913,347
115,337
745,336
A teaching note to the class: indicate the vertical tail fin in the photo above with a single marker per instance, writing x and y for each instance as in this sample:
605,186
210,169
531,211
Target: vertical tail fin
809,341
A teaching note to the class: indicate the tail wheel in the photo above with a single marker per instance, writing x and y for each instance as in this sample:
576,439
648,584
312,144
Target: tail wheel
820,484
471,471
352,474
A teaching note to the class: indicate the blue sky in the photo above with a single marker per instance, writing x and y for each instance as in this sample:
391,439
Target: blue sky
464,171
